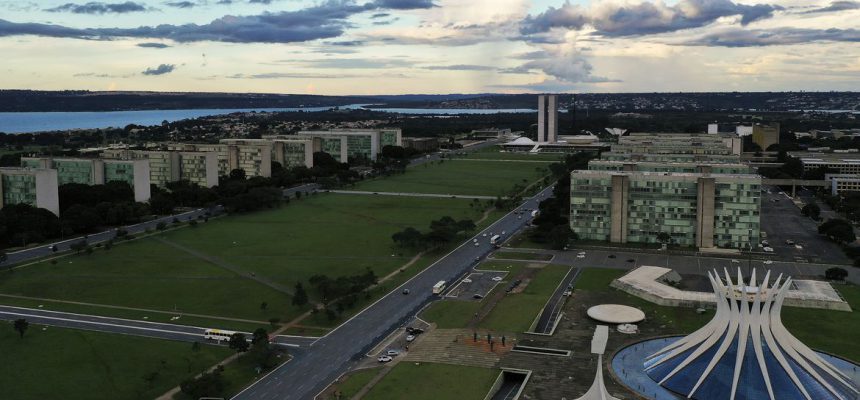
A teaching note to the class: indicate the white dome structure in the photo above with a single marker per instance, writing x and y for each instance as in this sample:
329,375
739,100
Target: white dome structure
522,141
746,353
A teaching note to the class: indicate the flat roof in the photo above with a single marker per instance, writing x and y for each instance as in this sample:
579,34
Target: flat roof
616,314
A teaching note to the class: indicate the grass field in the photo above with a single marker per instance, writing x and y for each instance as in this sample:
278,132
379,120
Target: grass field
148,274
354,383
516,311
71,364
519,255
462,177
428,381
328,233
827,332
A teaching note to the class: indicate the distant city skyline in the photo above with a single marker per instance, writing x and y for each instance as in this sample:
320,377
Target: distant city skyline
358,47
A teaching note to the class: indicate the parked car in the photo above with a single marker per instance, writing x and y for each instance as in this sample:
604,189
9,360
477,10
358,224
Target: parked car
384,359
768,249
410,338
631,260
477,296
789,242
611,256
497,278
392,353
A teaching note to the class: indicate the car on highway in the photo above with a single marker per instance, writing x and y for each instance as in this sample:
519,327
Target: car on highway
477,244
581,253
580,256
405,291
384,359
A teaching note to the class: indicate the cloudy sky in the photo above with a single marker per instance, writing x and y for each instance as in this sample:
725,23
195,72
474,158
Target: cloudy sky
430,46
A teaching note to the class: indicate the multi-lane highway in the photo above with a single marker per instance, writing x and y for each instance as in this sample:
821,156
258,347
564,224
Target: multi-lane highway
45,250
335,353
126,326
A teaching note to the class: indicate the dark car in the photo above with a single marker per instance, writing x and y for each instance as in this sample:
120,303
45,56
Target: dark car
477,296
612,256
631,260
405,291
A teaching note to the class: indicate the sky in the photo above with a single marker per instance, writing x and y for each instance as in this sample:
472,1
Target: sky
365,47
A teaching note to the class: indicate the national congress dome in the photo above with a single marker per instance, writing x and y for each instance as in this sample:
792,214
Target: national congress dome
745,352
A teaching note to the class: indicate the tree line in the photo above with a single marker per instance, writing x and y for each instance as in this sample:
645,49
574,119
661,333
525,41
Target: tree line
442,231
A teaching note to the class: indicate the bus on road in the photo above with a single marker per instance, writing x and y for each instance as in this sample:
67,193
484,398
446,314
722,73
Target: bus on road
217,335
439,287
496,241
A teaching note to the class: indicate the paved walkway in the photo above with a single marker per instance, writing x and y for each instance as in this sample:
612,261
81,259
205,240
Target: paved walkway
456,346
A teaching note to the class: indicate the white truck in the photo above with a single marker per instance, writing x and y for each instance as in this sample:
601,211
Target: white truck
496,241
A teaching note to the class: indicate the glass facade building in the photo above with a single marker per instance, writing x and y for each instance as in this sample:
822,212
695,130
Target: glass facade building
97,171
36,187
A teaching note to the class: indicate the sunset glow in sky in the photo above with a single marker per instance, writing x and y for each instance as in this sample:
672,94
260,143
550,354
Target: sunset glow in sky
430,46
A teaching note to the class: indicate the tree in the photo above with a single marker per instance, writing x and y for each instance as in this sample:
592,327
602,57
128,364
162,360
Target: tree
259,336
79,246
664,237
835,274
300,298
811,210
237,174
559,237
238,342
838,230
20,325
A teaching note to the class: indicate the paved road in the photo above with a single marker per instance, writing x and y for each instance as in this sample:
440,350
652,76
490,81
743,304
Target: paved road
344,347
45,250
157,330
550,312
308,187
782,221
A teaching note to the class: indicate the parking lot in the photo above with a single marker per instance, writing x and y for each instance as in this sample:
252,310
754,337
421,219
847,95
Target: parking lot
476,285
781,220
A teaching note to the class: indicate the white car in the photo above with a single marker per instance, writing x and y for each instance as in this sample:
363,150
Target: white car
384,359
497,278
392,353
580,256
735,261
410,338
768,249
467,280
484,235
768,262
581,253
477,244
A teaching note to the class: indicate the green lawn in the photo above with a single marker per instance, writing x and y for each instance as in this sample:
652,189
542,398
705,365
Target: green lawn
519,255
428,381
461,177
71,364
516,311
330,234
830,331
148,274
354,382
827,333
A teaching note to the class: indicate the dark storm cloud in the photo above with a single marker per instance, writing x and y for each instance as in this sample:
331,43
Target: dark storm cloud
324,20
99,8
835,7
774,37
404,4
644,18
153,45
160,70
181,4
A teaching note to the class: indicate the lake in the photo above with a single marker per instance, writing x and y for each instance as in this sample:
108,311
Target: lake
24,122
